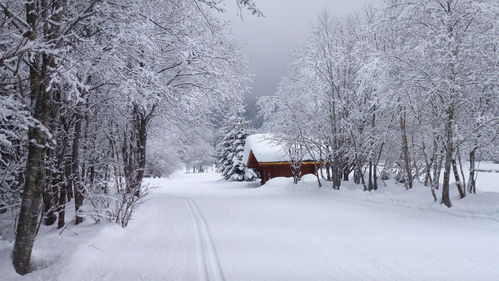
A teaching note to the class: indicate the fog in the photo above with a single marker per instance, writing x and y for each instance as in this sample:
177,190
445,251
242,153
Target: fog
269,40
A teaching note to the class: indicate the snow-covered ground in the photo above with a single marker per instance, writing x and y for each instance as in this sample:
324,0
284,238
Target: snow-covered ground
198,227
486,181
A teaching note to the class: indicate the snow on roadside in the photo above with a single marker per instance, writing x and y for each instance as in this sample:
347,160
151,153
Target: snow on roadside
481,205
54,248
52,251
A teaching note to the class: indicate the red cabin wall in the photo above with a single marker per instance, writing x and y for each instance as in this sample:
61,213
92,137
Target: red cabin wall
273,170
269,171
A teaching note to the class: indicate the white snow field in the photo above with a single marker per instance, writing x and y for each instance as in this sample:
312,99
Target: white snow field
198,227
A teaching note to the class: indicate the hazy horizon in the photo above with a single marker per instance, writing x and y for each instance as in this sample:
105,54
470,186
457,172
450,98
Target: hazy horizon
268,41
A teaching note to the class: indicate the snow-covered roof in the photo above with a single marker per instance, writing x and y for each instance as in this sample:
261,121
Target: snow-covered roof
266,148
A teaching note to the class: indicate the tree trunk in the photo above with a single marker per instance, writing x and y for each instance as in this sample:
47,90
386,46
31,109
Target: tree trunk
64,173
48,210
39,79
346,173
317,168
453,97
134,149
141,154
51,171
405,152
370,176
357,174
449,150
35,164
438,169
428,165
61,206
428,178
75,179
337,173
471,180
336,178
445,184
32,195
461,171
328,171
459,184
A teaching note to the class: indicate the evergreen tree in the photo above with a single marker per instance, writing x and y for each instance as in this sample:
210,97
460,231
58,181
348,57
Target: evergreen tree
223,148
231,148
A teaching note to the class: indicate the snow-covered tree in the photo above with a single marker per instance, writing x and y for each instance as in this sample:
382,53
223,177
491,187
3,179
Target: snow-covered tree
324,98
84,80
440,53
409,84
229,151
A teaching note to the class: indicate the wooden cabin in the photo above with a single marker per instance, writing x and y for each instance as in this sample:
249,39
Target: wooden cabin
271,160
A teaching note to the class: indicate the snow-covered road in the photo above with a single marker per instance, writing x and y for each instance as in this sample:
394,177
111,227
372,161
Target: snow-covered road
197,227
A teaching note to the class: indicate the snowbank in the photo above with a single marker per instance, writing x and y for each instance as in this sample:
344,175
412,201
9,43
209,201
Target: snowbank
53,249
481,205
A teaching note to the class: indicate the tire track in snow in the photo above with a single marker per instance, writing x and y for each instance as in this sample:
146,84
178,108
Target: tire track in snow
208,262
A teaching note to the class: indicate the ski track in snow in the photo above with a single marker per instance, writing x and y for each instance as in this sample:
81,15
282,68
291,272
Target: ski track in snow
209,267
208,258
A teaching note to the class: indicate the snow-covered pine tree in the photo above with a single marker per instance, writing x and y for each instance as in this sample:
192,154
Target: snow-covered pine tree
237,171
230,149
223,148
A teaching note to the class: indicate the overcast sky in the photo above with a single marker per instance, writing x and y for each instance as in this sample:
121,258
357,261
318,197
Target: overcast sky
269,40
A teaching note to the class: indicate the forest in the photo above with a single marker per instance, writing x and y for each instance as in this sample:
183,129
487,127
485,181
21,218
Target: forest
97,97
408,89
87,90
